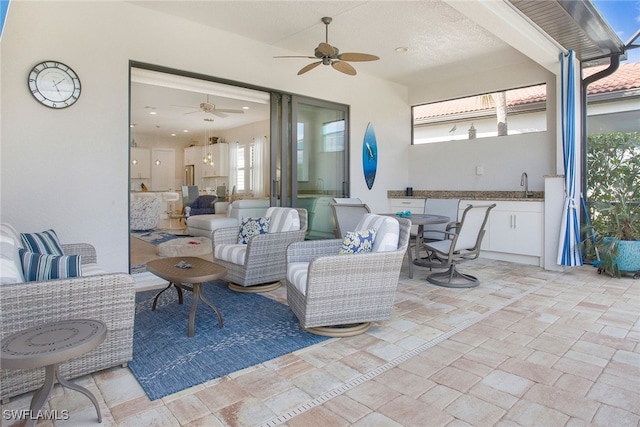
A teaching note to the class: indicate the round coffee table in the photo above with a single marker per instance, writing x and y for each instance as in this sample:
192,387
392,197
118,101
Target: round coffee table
49,345
199,272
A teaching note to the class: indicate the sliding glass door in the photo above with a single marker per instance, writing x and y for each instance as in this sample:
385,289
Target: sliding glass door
310,160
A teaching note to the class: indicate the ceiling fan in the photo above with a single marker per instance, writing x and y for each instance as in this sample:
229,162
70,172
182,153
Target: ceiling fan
210,108
330,55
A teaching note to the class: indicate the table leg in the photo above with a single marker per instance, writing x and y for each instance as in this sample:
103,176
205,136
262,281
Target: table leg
209,303
41,395
80,389
180,297
197,295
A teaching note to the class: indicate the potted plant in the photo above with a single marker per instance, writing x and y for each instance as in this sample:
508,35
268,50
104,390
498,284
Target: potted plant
617,236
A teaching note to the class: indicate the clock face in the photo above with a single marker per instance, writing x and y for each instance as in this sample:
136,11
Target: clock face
54,84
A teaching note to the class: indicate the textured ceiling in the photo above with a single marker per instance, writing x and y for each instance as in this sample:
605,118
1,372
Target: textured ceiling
441,40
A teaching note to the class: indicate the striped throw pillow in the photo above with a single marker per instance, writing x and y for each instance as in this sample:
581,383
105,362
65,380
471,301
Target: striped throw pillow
42,243
47,267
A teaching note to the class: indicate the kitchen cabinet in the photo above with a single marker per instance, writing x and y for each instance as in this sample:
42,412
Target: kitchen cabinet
220,155
409,204
514,230
193,155
140,163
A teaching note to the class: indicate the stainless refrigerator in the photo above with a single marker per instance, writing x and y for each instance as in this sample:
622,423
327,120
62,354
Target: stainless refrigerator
189,178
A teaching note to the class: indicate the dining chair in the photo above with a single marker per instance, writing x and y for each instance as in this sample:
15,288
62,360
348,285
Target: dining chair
463,244
346,216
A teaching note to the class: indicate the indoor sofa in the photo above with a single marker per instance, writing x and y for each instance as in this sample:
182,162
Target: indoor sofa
229,215
109,297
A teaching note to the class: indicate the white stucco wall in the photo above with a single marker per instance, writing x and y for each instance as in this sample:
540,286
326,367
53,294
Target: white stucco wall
452,165
67,169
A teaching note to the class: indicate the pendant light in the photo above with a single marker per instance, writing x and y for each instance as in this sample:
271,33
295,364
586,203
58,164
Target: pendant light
157,162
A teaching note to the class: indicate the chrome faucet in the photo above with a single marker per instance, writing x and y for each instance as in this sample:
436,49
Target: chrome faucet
524,182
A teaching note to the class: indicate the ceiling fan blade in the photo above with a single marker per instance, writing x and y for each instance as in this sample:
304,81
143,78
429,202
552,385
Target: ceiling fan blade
354,56
218,113
192,112
309,67
326,49
344,67
225,110
295,56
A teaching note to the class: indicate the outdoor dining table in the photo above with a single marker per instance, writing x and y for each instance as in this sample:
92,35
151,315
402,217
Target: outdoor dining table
420,220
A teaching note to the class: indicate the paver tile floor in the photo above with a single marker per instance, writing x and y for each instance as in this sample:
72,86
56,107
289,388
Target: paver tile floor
527,347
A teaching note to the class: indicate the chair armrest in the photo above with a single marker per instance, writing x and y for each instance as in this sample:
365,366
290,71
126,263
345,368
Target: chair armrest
309,250
227,235
85,250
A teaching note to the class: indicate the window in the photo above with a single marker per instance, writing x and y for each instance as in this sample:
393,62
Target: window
246,168
333,136
240,169
509,112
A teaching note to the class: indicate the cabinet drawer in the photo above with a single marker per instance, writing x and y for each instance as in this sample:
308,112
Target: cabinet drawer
413,205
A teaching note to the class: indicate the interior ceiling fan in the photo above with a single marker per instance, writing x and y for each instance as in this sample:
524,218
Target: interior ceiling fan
210,108
330,55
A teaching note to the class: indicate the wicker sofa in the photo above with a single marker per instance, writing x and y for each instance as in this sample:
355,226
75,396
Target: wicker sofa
109,297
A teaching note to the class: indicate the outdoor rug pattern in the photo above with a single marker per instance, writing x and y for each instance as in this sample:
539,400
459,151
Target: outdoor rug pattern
256,329
155,237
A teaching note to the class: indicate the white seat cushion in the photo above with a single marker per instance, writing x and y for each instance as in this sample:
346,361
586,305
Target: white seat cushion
231,252
283,219
387,231
10,265
297,275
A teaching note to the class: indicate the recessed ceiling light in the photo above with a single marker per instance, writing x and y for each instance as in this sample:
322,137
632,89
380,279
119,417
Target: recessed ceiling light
402,49
245,108
173,134
153,113
186,131
132,125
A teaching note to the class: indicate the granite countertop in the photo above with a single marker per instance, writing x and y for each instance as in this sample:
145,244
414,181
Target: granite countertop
536,196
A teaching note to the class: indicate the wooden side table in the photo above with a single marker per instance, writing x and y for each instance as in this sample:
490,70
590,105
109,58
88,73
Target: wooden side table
201,271
49,345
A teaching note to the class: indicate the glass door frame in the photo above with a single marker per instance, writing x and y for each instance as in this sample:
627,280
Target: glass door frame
284,138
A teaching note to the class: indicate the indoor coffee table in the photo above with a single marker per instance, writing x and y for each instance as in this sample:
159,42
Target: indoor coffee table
199,272
49,345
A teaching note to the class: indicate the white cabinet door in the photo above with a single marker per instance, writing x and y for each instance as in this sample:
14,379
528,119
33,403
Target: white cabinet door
140,163
193,155
163,170
220,155
516,227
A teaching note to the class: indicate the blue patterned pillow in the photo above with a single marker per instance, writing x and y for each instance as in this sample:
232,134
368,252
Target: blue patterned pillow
356,242
250,227
47,267
42,243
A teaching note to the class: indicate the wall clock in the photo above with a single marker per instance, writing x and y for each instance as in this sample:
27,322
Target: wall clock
54,84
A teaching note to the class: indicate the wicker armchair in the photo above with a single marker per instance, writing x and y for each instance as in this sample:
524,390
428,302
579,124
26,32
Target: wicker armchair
340,295
106,297
260,265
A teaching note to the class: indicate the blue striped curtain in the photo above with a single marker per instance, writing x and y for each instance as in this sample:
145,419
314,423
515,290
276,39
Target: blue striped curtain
569,253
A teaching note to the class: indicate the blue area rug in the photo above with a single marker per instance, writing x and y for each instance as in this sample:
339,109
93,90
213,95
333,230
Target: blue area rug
155,237
256,329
